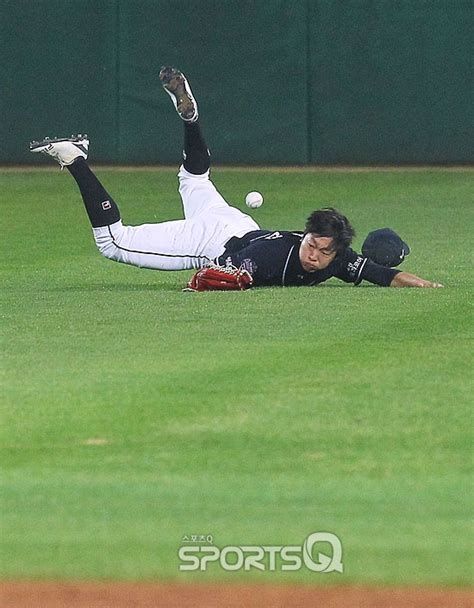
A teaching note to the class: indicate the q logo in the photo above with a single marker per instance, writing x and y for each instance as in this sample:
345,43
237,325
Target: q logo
325,563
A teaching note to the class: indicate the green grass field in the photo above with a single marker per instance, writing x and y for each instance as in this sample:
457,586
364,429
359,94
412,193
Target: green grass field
134,414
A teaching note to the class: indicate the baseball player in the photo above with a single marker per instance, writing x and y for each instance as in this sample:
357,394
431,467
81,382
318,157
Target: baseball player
226,247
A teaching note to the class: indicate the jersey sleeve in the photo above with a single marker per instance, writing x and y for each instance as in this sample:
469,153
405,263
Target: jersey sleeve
355,268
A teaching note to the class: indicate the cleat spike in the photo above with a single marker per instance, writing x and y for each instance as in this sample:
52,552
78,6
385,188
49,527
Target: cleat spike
175,84
64,150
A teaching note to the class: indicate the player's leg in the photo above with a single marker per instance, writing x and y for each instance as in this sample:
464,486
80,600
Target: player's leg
174,245
195,153
165,246
201,199
198,195
101,209
72,153
160,246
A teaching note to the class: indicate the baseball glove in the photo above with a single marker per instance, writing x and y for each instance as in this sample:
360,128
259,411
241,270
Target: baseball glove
212,278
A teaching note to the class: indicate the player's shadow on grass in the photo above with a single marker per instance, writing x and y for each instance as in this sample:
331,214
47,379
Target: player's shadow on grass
115,287
168,287
345,286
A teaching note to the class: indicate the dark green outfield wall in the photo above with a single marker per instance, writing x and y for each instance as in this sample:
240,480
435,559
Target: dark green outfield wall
283,82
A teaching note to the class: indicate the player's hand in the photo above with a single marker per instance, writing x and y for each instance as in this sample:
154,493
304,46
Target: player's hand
405,279
220,278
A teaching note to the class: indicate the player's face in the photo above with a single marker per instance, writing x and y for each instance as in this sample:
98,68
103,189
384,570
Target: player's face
316,252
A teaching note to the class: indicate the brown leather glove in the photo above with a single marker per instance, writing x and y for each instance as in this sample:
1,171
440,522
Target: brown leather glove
212,278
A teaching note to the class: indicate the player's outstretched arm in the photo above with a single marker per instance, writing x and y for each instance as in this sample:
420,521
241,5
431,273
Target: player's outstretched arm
405,279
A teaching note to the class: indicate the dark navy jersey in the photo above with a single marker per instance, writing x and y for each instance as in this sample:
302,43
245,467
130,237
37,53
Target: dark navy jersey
272,258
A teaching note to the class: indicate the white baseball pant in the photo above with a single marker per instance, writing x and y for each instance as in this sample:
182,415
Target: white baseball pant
180,244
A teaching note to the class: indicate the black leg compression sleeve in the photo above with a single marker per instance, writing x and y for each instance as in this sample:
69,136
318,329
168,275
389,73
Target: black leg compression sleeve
196,154
101,208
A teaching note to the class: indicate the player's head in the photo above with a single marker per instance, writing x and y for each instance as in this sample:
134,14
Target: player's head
327,232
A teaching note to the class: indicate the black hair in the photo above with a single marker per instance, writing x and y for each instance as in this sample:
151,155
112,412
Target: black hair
330,222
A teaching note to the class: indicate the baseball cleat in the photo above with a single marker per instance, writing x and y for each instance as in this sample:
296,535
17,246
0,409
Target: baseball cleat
175,84
65,150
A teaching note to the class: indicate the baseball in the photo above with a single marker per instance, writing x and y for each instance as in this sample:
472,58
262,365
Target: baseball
254,200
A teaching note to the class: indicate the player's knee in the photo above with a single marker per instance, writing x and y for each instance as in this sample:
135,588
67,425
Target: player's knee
106,242
109,250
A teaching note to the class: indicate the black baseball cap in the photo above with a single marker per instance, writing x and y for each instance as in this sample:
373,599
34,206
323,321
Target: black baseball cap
385,247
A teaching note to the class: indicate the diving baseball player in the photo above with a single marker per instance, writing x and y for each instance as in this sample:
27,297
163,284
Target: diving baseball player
226,247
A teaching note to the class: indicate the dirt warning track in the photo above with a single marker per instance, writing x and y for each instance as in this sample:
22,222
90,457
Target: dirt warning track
175,595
